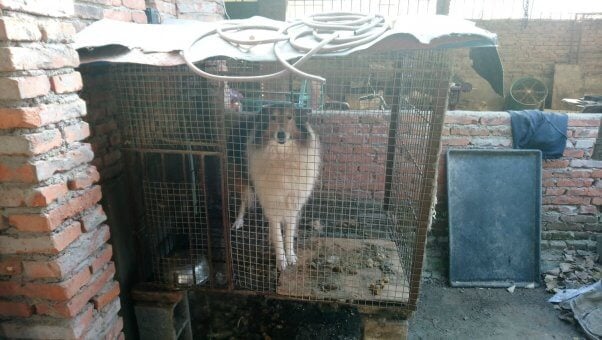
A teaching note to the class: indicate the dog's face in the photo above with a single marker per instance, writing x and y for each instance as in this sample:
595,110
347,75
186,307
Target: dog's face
282,125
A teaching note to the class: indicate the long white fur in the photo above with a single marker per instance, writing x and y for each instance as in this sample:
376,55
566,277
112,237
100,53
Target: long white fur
283,177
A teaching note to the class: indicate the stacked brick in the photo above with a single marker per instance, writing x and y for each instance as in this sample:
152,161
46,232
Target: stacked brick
89,11
571,185
202,10
354,152
56,274
105,138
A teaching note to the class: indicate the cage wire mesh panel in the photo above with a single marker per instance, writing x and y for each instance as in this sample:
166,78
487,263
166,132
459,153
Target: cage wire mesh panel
361,232
172,129
166,108
350,164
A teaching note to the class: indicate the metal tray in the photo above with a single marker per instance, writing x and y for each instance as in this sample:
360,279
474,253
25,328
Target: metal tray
494,205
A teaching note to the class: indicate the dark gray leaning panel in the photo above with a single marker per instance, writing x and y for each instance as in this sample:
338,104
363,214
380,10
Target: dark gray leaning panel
494,200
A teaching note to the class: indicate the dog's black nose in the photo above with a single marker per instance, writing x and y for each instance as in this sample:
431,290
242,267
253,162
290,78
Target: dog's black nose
281,136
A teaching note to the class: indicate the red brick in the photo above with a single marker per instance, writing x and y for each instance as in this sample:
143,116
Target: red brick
461,119
134,4
555,191
16,88
30,144
88,11
43,270
557,163
43,196
469,131
495,120
104,257
165,7
93,217
597,201
60,291
586,163
107,294
118,14
584,122
593,192
32,117
41,7
576,182
17,196
17,170
574,200
17,29
580,174
76,132
588,209
72,306
10,267
84,249
18,309
48,328
586,133
455,141
64,83
78,154
139,17
50,220
51,243
548,183
597,173
115,330
84,179
35,57
573,153
57,31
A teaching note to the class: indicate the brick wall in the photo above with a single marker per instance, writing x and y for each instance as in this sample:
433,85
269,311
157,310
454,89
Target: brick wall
56,273
538,50
89,11
203,10
354,151
105,137
572,185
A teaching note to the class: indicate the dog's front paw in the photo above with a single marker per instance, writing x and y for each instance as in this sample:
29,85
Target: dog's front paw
281,262
238,223
292,259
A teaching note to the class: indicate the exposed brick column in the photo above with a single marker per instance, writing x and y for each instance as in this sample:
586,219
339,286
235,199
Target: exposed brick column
56,273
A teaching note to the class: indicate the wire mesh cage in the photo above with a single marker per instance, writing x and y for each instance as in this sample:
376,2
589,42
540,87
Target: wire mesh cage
288,187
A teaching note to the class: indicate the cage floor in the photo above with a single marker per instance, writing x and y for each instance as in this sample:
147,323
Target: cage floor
346,269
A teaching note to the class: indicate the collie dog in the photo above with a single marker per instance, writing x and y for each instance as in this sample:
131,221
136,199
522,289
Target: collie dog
282,164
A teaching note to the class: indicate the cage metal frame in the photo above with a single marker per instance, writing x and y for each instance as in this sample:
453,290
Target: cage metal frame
197,142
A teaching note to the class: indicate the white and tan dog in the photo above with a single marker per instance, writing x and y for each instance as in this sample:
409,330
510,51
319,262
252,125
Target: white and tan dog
283,162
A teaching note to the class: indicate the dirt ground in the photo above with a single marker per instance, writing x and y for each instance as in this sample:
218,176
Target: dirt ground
473,313
443,313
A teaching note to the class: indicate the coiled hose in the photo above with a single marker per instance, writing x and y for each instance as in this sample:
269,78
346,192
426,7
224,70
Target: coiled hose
328,37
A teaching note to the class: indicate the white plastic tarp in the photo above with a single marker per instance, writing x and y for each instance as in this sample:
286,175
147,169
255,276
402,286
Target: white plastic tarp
117,41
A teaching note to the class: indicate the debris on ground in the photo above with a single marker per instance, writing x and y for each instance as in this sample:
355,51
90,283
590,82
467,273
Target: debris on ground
582,306
579,268
511,289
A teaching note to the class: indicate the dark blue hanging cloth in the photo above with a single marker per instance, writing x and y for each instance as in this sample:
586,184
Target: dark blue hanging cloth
545,131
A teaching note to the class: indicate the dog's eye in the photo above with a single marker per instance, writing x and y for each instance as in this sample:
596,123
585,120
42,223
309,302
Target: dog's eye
289,117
